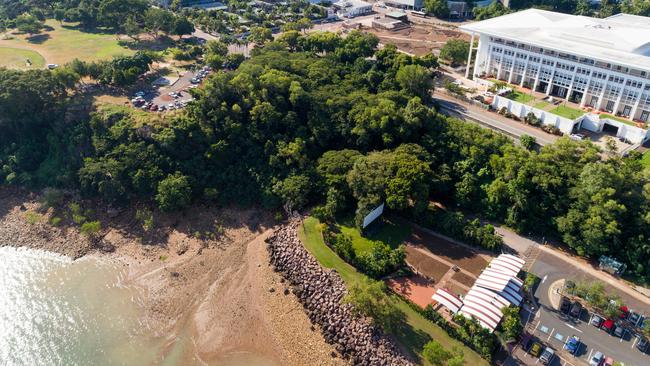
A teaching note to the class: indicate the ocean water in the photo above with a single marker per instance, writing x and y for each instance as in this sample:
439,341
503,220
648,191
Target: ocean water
55,311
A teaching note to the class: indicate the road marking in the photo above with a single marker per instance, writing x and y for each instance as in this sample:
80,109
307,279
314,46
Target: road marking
572,327
634,342
590,352
550,334
544,279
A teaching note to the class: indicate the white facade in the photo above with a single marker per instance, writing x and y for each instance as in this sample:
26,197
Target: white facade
405,4
352,8
599,63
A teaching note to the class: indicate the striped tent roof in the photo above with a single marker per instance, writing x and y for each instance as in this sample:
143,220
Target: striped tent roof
449,300
507,263
497,287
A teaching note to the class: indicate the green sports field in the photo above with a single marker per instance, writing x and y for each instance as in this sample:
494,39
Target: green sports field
15,58
62,43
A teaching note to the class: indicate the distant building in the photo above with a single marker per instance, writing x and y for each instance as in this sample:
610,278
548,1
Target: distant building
406,4
388,23
599,63
352,8
463,9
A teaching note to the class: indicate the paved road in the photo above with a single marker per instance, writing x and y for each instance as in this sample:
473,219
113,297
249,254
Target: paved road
554,328
456,108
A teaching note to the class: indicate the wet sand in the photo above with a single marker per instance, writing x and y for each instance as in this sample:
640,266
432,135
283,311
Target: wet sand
212,298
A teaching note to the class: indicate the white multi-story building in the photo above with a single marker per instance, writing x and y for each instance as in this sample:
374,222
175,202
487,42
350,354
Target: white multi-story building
598,63
352,8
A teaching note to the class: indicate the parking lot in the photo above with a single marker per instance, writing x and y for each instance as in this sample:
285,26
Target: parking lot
174,96
552,327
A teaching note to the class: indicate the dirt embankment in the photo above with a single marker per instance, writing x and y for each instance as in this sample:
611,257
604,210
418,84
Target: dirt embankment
210,291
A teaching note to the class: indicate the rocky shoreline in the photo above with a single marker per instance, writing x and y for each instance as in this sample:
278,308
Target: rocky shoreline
320,291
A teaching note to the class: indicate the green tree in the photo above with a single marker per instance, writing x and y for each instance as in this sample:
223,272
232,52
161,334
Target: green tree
527,142
455,51
174,192
260,35
435,353
511,323
158,20
182,26
437,8
416,79
29,24
369,298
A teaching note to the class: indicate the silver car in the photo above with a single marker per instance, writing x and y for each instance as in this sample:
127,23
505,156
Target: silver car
596,359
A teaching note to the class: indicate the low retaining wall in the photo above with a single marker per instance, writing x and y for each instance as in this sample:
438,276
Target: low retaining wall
521,110
320,291
593,122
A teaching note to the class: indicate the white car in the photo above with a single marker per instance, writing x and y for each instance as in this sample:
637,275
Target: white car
577,136
596,359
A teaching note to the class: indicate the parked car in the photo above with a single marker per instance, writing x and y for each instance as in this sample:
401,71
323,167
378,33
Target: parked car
608,361
565,305
577,136
619,330
596,321
576,309
642,344
596,359
547,356
535,349
572,344
195,80
608,325
634,318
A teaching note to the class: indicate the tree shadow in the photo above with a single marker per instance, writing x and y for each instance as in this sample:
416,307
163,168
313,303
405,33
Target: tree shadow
160,43
38,38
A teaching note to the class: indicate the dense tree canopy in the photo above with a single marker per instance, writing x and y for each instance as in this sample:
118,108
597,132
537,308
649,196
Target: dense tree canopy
321,120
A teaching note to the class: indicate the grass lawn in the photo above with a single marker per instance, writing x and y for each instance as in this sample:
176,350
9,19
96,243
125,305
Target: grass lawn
567,112
541,105
15,58
416,330
520,97
65,42
389,232
615,118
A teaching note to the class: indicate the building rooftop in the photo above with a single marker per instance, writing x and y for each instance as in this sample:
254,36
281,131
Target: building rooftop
621,39
347,4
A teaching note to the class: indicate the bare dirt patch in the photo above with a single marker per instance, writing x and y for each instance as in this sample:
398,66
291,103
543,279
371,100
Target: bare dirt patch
460,255
419,39
427,266
464,279
417,289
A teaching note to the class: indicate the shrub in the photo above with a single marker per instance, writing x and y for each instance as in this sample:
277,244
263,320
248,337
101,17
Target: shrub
381,260
90,228
342,245
455,225
51,198
32,217
369,298
528,142
55,221
174,192
145,217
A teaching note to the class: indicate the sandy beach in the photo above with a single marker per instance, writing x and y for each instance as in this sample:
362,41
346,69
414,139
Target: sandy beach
209,290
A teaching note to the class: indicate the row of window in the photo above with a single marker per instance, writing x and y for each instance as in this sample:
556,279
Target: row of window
565,56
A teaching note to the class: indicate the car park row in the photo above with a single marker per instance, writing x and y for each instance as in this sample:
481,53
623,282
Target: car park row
146,101
629,322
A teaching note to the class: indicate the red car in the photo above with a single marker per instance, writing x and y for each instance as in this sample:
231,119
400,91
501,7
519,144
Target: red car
608,325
